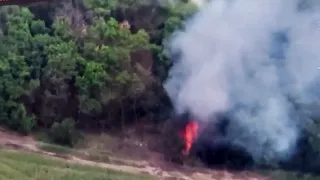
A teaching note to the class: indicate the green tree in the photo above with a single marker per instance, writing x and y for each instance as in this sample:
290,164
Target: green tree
16,84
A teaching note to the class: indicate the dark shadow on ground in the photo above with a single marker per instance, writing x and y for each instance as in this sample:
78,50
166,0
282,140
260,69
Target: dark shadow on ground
215,152
221,155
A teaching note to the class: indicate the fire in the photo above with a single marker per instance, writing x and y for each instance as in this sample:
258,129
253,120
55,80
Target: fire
189,134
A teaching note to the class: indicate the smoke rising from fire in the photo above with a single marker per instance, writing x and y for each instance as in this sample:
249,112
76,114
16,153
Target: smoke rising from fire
246,58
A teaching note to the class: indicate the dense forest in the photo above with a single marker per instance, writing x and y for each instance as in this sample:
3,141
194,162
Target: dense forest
95,65
92,62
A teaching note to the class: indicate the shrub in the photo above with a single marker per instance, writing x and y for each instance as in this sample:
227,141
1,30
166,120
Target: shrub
64,133
18,119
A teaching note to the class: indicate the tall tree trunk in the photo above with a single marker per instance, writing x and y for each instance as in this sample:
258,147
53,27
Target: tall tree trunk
135,109
122,114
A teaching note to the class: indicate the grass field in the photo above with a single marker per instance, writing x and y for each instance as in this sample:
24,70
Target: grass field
26,166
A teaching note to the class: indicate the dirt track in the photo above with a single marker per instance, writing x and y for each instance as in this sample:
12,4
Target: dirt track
14,141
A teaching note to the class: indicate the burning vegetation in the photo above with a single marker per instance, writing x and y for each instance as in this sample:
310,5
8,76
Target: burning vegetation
204,142
189,134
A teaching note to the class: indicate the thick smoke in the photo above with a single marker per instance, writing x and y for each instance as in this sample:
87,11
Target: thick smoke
249,58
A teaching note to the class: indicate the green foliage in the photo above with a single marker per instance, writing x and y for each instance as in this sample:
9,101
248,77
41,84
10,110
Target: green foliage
61,28
20,120
52,69
64,133
38,27
48,72
178,12
100,7
15,82
16,117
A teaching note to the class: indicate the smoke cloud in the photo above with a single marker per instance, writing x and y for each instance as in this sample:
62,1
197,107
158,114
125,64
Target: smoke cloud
246,58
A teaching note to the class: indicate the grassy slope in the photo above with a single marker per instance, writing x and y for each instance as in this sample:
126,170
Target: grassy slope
20,165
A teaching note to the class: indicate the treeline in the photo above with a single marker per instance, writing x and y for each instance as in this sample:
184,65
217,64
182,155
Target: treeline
94,64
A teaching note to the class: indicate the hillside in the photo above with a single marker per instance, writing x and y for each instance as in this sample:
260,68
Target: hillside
38,159
37,156
172,89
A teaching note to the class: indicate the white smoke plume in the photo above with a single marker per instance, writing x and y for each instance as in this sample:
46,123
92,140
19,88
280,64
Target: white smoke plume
246,57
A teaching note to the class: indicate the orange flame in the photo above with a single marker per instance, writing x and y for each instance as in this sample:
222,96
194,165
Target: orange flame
189,135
